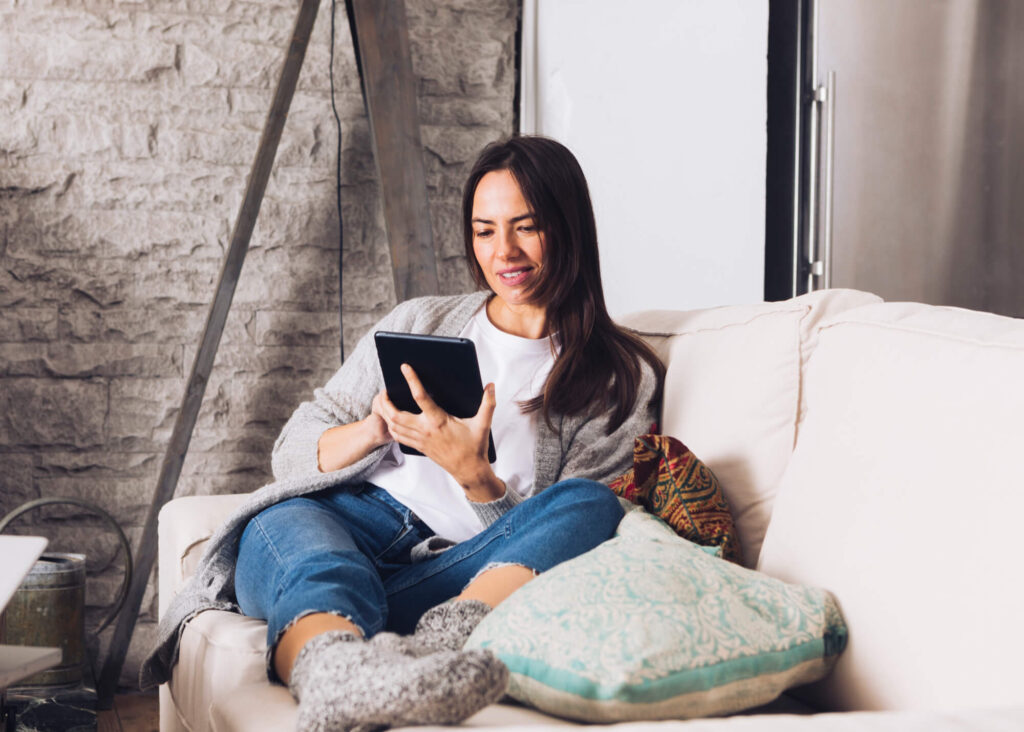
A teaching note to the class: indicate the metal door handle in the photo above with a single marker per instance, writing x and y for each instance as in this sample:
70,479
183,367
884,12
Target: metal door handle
829,139
811,221
819,219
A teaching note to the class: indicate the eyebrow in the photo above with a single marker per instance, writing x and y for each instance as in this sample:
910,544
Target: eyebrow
513,220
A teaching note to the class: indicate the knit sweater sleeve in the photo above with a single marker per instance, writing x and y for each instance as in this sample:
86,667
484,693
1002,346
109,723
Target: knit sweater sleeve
346,398
491,511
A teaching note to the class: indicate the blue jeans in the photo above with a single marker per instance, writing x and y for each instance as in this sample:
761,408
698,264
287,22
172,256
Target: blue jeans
347,551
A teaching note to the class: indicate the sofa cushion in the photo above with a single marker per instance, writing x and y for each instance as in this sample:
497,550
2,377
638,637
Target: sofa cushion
266,707
672,483
904,497
219,653
186,525
732,392
270,707
651,626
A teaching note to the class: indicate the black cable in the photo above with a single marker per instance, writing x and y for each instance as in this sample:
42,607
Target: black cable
337,193
350,11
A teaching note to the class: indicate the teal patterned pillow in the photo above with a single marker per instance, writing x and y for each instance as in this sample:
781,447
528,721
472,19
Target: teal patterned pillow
651,626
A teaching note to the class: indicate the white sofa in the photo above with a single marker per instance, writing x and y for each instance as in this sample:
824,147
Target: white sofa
874,449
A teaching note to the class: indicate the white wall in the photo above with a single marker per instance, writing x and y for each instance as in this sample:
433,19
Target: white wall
663,102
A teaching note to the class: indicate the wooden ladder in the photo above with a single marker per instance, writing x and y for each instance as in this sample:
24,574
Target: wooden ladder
380,34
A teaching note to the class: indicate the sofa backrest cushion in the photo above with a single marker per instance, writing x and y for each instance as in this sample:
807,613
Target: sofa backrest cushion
732,392
904,497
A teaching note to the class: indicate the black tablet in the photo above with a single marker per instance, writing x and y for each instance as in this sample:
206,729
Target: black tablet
447,367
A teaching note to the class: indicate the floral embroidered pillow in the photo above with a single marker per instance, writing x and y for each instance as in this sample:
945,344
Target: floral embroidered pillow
672,483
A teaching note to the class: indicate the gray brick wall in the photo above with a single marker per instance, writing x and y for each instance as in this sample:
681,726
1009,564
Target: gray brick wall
127,130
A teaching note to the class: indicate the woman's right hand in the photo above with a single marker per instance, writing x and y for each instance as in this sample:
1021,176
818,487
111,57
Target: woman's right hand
377,428
345,444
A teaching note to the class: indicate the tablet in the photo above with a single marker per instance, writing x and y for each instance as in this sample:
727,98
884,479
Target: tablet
447,368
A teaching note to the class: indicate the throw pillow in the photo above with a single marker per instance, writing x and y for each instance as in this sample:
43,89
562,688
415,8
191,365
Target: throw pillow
651,626
672,483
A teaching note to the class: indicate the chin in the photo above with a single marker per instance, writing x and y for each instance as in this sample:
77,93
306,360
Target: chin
515,297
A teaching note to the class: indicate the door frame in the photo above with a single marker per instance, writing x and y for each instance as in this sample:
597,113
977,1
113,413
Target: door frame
785,261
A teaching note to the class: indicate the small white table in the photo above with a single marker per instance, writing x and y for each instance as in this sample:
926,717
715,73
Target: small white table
18,662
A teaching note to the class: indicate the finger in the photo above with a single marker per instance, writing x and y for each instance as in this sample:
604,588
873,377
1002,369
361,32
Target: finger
377,406
408,437
398,417
380,426
419,394
487,404
388,410
384,408
395,417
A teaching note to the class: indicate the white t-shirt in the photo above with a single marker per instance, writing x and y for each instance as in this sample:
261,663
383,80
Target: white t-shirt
518,367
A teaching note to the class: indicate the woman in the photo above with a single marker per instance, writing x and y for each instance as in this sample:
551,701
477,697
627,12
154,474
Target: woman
357,538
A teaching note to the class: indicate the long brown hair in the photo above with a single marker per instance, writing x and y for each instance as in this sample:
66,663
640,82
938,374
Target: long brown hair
599,364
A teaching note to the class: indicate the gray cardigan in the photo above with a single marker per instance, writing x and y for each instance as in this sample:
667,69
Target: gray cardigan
577,448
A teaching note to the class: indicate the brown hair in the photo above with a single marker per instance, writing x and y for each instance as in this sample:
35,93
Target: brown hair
599,364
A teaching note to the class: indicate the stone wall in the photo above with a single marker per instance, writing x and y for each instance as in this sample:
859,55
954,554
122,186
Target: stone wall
127,130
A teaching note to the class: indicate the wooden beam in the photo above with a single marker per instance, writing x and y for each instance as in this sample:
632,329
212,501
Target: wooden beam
203,364
390,90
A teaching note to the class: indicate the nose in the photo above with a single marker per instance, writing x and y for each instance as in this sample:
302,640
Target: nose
508,247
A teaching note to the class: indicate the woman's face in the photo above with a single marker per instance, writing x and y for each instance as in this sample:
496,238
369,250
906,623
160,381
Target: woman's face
506,240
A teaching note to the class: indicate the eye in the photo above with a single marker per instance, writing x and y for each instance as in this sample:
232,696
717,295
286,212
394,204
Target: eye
528,228
482,233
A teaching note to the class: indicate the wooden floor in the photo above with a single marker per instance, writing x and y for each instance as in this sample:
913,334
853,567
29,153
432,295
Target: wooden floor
131,713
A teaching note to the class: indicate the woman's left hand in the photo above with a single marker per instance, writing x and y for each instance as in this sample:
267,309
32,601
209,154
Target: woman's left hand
458,445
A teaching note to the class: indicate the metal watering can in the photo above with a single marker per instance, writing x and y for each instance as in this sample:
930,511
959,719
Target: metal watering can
48,608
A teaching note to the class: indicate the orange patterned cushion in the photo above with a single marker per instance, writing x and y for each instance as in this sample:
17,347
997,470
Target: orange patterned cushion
669,481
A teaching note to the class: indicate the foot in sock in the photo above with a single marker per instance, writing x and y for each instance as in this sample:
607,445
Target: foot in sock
343,683
447,626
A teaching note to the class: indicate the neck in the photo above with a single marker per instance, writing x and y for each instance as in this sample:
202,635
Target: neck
525,321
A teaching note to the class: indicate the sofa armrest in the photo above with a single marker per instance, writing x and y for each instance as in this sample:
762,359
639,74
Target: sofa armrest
185,525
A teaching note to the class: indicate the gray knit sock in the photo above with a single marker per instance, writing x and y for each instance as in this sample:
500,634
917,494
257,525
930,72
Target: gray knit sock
447,626
344,684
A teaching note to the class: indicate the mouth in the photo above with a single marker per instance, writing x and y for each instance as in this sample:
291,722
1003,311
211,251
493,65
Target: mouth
515,276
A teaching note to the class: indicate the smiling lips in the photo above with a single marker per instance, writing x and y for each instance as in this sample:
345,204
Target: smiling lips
516,276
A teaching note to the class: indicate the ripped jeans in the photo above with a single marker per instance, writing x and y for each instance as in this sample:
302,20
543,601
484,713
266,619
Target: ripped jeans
347,551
